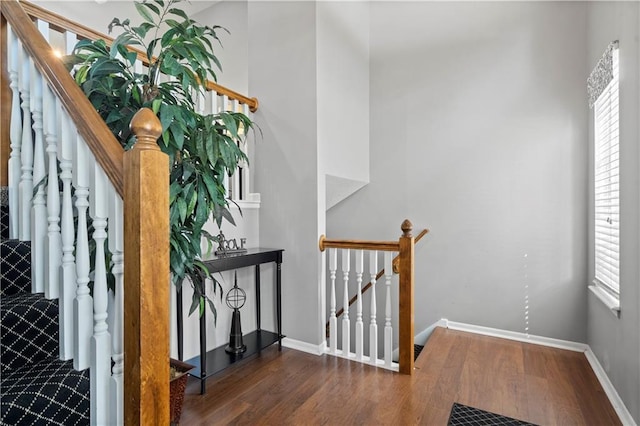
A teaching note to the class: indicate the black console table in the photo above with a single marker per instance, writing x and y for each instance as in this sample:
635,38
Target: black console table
216,360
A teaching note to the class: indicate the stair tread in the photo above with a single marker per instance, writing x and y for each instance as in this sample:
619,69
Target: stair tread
47,392
29,330
4,221
15,267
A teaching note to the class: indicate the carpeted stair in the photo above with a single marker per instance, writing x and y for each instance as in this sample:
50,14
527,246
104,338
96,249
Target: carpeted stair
37,388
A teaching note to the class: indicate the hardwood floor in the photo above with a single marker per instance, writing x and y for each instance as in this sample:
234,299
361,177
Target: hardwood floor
533,383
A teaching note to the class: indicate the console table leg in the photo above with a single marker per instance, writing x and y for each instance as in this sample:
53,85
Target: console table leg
179,318
257,281
203,353
279,303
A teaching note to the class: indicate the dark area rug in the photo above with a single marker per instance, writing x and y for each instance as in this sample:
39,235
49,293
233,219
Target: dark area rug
469,416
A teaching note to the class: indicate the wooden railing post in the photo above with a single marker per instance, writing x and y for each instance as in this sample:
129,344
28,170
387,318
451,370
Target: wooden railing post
147,279
5,104
405,268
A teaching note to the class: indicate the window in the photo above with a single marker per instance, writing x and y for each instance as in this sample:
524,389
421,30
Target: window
607,176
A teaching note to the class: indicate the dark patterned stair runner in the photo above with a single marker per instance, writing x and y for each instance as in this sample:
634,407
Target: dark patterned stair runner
15,267
37,388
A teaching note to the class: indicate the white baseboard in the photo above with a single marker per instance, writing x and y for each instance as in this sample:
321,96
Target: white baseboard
607,386
517,336
304,346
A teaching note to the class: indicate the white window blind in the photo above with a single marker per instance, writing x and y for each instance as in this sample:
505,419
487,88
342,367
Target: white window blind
607,184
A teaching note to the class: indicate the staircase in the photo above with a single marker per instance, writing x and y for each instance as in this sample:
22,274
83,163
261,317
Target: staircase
62,343
37,387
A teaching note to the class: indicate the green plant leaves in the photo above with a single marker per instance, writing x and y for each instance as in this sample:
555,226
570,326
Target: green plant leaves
142,9
202,148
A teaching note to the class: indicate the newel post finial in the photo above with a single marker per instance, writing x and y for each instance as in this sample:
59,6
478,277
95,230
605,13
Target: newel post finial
147,128
406,227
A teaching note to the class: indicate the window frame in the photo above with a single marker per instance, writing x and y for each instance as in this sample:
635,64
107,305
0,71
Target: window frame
606,186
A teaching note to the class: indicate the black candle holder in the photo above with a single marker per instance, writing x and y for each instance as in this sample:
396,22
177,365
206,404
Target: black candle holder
236,297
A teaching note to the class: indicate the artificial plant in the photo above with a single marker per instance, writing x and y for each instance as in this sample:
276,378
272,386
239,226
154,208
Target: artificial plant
179,59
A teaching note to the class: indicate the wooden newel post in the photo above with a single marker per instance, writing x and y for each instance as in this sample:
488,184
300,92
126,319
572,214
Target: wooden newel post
405,270
146,275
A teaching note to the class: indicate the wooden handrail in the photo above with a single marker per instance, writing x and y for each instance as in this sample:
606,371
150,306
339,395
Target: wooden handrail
396,261
106,149
326,243
60,23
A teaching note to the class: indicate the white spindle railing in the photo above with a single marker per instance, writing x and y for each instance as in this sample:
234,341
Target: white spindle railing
67,228
15,135
362,352
346,323
373,325
83,303
53,249
101,339
359,324
73,194
38,209
116,246
333,320
26,150
68,283
388,329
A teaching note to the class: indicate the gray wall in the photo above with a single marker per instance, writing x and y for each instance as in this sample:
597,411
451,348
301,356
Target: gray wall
615,341
342,43
479,132
98,15
231,15
282,47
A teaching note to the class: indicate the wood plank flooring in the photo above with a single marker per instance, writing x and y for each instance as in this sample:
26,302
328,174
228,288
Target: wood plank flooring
537,384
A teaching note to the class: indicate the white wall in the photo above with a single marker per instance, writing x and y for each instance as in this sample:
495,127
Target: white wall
616,341
98,16
478,132
232,15
342,43
282,57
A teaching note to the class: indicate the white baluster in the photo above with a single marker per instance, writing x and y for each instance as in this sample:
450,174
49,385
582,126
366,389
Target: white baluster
237,175
15,134
199,102
53,251
26,152
39,208
100,371
373,325
43,27
214,102
346,324
333,320
116,246
68,274
83,303
359,324
388,331
231,182
138,66
70,40
225,103
245,165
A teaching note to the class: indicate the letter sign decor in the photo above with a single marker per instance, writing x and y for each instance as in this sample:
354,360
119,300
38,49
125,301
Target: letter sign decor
226,247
